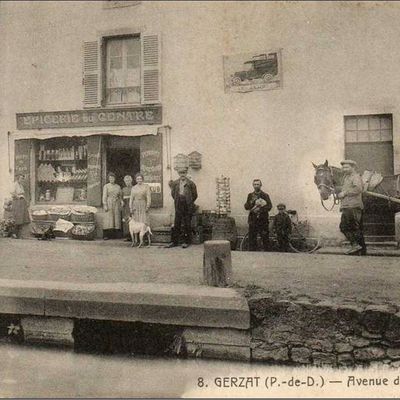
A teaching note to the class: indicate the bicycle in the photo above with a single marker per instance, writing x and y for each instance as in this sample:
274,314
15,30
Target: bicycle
298,241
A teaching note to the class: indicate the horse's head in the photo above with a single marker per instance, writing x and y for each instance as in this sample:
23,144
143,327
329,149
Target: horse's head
323,178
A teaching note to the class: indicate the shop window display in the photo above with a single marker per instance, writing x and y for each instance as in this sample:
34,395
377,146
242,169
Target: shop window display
61,171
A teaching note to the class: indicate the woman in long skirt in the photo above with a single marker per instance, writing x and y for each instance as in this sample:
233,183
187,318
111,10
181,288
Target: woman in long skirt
19,207
126,212
140,201
112,203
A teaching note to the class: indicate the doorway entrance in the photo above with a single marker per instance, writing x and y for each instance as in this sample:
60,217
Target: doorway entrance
123,157
369,142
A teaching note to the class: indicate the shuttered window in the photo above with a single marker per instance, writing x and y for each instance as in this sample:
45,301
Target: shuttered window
91,74
151,78
131,69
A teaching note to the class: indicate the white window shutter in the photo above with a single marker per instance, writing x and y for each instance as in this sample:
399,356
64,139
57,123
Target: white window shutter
151,69
92,92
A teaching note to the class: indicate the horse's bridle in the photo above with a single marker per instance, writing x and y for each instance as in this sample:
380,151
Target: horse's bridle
331,189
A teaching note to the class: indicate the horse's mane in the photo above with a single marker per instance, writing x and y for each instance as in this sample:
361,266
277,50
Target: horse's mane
337,175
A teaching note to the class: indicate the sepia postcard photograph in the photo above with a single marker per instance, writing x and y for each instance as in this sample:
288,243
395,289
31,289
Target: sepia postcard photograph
199,199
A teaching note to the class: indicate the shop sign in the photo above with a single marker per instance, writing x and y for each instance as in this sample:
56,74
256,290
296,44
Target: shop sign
151,166
154,187
149,115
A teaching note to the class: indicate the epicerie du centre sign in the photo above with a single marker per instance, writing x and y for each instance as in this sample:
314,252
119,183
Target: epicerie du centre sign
149,115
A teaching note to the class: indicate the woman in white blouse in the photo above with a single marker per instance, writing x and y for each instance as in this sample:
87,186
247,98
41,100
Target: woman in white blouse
140,200
19,206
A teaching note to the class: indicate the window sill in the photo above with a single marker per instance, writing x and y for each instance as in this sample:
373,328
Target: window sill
124,105
109,5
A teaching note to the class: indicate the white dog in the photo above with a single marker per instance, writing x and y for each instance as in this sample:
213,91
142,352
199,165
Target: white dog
138,228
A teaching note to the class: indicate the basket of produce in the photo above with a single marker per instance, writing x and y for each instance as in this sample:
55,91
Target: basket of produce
83,232
7,227
41,229
40,215
56,213
83,214
62,228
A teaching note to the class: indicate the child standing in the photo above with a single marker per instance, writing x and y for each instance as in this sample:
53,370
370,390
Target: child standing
282,227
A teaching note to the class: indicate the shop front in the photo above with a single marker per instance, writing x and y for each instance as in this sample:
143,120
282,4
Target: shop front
66,157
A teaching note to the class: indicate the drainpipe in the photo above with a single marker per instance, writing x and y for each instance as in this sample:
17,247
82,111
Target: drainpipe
9,151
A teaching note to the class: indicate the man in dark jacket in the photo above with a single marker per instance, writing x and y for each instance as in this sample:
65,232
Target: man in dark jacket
184,193
259,204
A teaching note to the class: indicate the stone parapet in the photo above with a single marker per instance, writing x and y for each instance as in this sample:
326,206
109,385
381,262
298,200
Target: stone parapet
181,305
323,333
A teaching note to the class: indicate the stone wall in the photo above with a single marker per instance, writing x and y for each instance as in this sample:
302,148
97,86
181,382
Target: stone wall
320,333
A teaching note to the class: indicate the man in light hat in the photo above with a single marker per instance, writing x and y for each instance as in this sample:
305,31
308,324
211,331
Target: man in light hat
184,193
351,206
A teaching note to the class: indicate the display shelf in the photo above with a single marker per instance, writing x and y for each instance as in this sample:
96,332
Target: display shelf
45,221
66,183
61,160
60,203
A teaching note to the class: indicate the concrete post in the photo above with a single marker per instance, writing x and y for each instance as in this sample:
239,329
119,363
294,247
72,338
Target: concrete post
217,263
397,228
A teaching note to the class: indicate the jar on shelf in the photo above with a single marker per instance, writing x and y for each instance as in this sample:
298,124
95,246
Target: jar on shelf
47,195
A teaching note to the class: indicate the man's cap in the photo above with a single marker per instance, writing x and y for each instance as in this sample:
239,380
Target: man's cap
281,206
182,169
349,162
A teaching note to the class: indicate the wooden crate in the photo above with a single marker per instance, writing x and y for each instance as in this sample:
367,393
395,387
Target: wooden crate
161,235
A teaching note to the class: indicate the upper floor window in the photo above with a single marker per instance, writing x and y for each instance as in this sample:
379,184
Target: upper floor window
119,70
123,70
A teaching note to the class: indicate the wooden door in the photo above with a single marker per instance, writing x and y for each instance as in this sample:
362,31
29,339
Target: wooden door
369,142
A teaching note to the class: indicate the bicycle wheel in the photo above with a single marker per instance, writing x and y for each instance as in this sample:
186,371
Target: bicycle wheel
301,244
244,243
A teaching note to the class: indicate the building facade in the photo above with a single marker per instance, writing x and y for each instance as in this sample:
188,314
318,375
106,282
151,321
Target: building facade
93,87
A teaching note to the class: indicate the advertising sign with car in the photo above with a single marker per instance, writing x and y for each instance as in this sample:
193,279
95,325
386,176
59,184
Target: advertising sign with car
253,71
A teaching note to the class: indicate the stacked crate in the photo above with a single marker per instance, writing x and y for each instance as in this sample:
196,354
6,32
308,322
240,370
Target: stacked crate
223,206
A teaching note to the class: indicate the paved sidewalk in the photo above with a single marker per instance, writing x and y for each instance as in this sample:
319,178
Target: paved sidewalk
320,276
